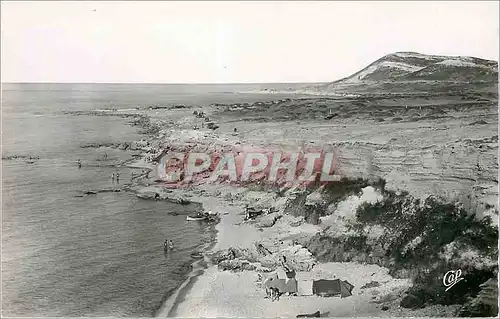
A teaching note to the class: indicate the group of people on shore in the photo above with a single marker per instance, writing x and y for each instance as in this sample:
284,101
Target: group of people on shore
117,176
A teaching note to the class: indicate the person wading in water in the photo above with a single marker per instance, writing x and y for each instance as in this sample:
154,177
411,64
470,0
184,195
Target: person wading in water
168,245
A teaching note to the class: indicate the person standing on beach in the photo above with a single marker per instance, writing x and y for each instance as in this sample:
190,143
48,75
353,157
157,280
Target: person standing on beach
290,272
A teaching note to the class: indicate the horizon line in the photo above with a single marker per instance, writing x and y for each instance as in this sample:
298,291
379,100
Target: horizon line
171,83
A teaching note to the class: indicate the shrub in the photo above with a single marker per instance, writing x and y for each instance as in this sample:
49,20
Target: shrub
421,239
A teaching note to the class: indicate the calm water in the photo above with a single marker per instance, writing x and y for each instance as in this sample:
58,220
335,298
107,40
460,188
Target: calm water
98,255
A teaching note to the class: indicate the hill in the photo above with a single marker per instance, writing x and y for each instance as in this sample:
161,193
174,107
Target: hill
412,66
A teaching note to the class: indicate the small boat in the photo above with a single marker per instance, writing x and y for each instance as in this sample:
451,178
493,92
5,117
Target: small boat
197,255
196,217
317,314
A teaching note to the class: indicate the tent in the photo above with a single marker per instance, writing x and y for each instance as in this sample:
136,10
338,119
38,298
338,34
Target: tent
281,273
305,288
283,285
349,287
291,286
333,287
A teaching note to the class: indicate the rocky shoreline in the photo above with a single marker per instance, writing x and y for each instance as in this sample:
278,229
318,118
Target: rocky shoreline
315,228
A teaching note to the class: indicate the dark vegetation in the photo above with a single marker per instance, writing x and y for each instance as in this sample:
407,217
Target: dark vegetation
332,192
421,240
369,106
436,224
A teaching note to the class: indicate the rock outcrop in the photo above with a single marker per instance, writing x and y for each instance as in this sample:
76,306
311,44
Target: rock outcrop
159,193
485,304
261,258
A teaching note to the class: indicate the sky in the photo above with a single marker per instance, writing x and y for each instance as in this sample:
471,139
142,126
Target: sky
231,42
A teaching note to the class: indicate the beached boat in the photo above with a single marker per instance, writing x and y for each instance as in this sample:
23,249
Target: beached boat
196,217
197,255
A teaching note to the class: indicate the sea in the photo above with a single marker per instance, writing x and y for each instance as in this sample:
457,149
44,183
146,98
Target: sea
64,254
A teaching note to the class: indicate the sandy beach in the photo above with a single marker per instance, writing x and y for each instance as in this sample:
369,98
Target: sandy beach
210,292
213,293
